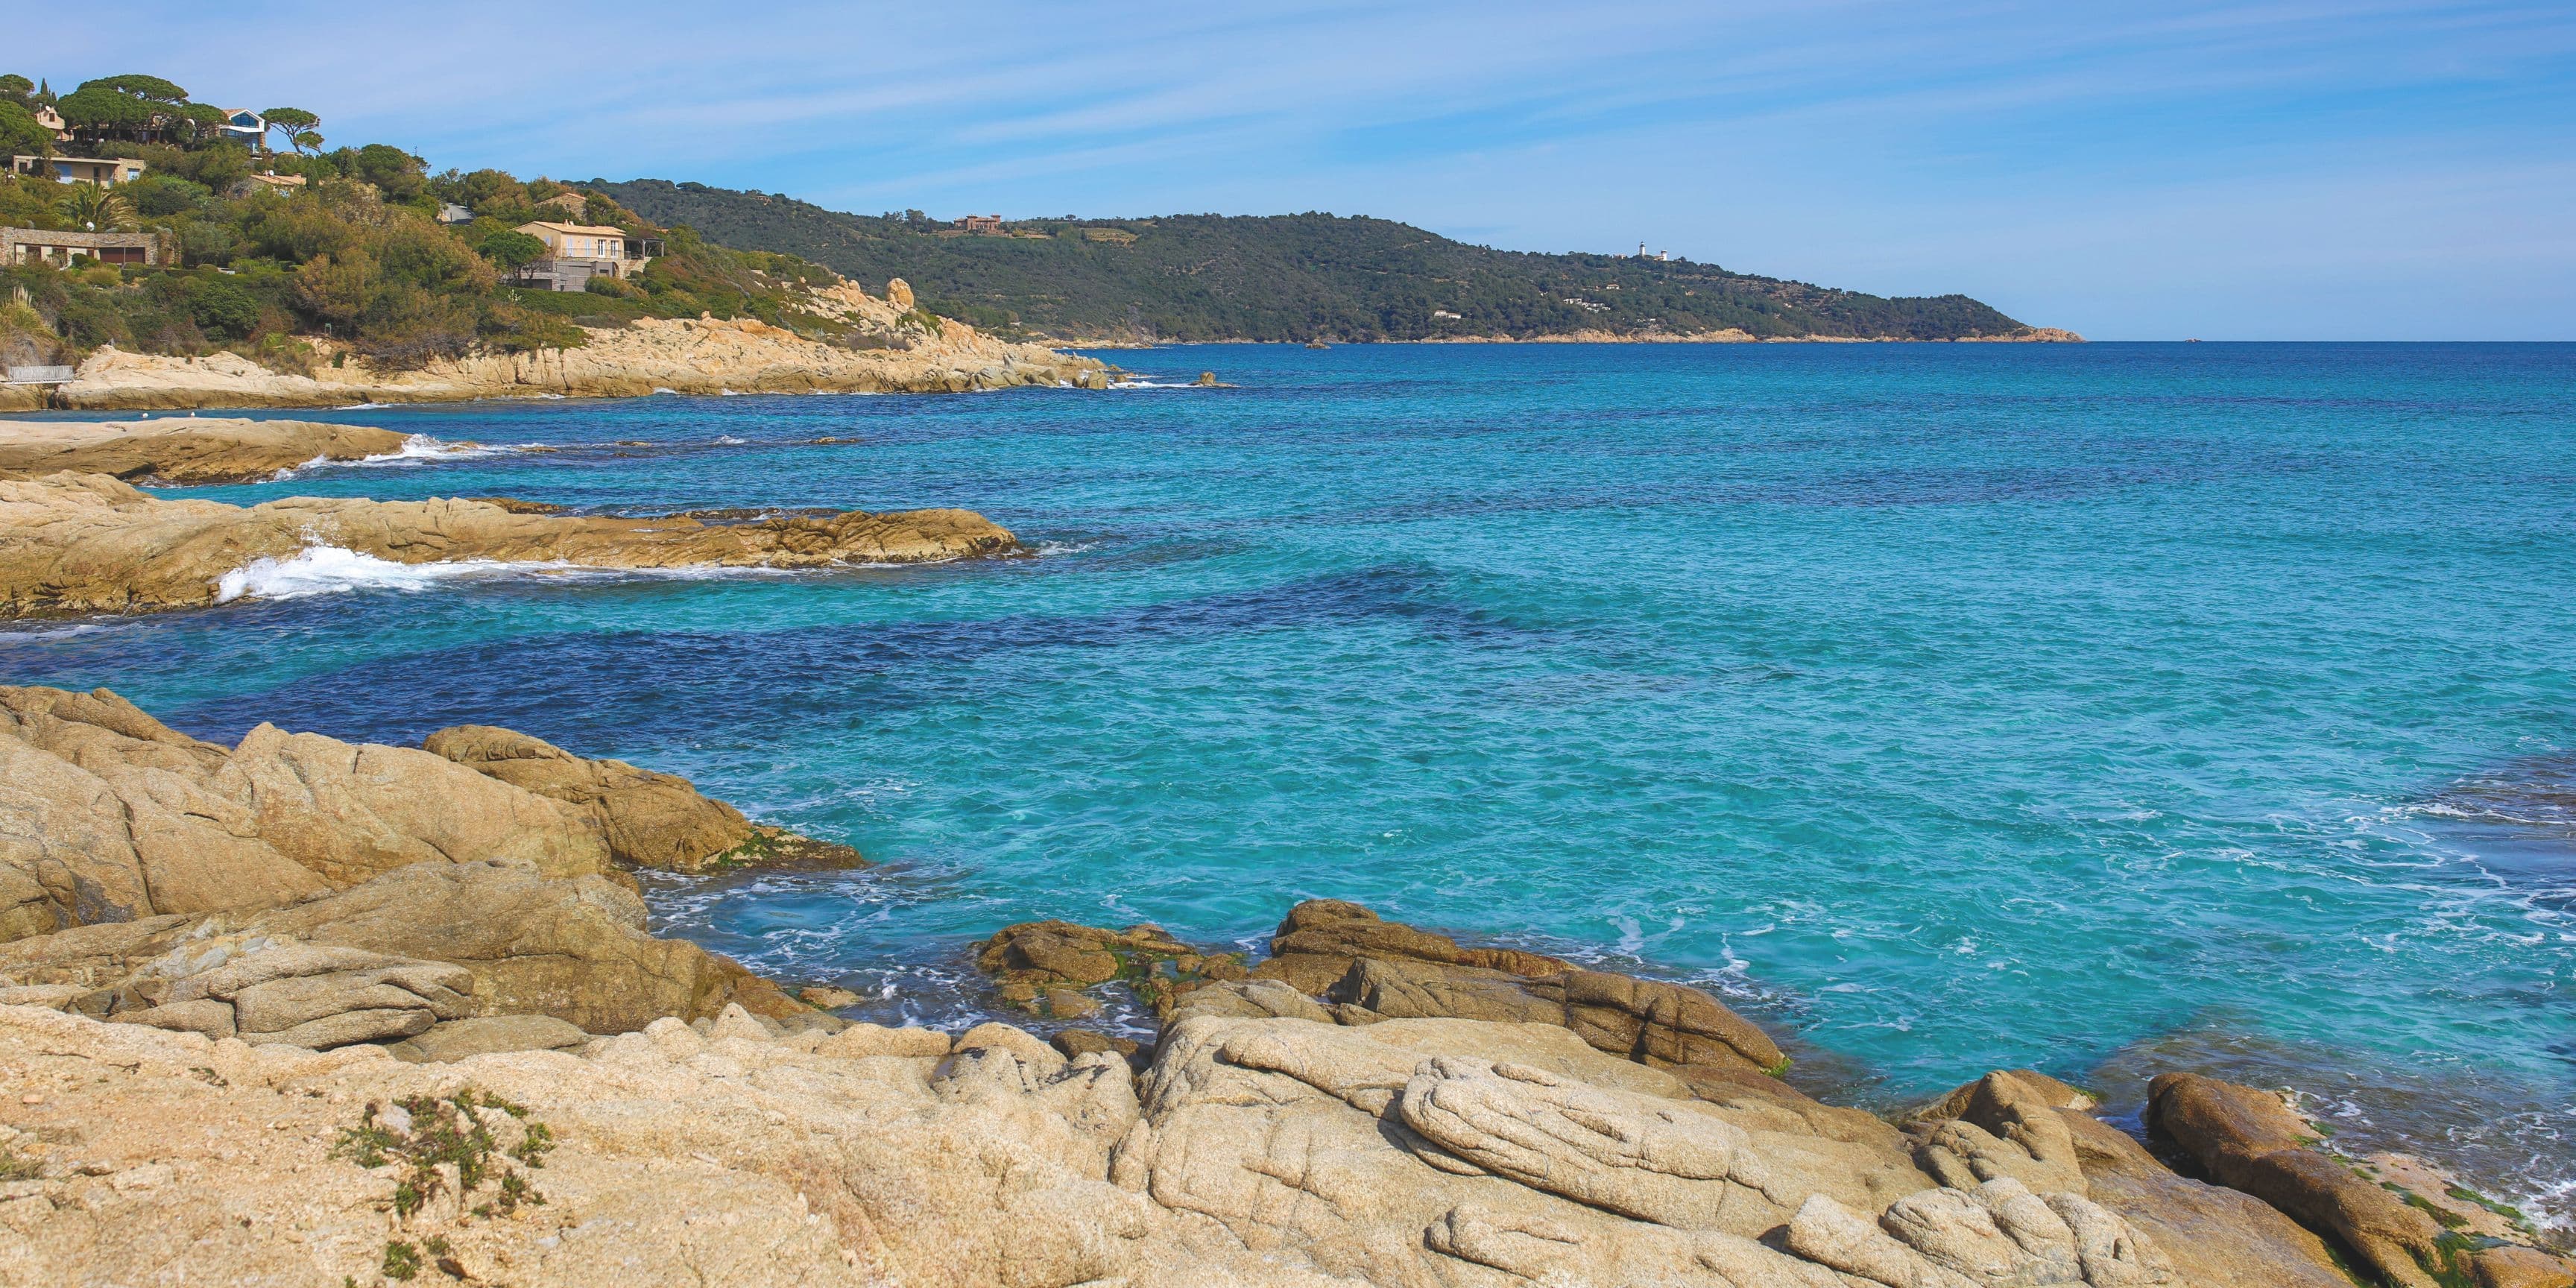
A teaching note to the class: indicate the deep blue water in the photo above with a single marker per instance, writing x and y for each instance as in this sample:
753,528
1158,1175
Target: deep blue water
2103,708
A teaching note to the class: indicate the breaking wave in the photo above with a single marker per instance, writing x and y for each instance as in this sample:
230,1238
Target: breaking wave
332,570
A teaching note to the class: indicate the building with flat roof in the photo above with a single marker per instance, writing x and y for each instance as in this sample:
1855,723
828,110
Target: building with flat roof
38,246
106,172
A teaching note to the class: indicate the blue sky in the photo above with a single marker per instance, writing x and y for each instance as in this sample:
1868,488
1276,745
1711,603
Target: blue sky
2251,171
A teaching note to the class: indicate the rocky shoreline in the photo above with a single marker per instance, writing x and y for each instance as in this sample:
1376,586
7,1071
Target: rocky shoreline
907,352
186,452
298,1010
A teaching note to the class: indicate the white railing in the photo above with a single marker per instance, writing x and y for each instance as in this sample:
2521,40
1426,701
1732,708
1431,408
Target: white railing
40,375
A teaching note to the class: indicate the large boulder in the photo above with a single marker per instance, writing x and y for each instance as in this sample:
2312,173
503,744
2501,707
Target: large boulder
1354,957
2035,1129
573,949
647,819
498,938
111,816
2252,1140
1318,940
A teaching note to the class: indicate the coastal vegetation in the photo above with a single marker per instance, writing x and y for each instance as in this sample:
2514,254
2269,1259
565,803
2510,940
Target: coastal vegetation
1288,278
350,249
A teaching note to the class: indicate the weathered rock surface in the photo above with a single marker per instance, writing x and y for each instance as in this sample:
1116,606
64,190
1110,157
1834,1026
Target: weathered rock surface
184,452
454,1040
2251,1140
144,869
648,819
1264,1152
688,356
87,543
1258,1150
503,937
1351,956
110,815
1043,965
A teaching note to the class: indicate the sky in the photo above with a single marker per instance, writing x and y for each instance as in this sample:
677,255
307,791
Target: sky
2259,171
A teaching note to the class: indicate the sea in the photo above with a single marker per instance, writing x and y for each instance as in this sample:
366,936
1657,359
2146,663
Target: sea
2101,709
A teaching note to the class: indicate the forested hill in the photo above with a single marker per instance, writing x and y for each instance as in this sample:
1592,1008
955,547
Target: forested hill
1284,277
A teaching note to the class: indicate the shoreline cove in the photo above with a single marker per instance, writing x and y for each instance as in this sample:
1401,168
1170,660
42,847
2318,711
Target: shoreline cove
1906,794
1638,1127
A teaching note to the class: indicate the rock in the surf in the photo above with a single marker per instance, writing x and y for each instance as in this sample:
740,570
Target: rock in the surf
647,819
88,543
1036,963
185,452
2252,1140
1352,956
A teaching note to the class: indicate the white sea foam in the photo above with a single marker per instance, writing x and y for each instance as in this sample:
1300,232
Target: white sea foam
729,440
331,570
416,449
1048,549
50,633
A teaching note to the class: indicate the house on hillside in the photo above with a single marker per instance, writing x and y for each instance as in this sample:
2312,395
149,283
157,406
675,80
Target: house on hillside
35,246
47,117
576,253
451,213
982,225
272,182
105,172
246,127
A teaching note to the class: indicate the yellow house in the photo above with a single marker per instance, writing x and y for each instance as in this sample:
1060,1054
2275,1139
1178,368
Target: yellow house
578,241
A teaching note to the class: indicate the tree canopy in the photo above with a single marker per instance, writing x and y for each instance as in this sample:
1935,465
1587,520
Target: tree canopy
150,89
1287,277
20,134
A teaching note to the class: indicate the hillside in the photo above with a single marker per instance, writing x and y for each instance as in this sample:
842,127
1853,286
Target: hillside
1286,277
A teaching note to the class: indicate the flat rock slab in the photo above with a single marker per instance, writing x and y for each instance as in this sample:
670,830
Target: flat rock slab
488,1034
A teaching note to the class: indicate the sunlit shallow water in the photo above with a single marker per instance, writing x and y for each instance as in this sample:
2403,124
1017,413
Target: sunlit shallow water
2099,709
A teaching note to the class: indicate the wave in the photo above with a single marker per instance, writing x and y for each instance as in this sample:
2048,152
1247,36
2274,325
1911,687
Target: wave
332,570
41,633
1049,549
416,449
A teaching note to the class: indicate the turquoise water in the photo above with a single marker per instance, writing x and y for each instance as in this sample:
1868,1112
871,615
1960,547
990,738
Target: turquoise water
2103,708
